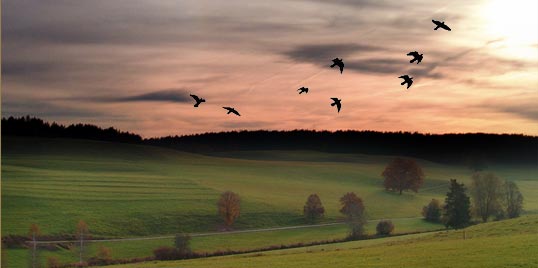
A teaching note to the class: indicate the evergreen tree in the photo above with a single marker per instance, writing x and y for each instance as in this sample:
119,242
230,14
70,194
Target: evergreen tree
457,206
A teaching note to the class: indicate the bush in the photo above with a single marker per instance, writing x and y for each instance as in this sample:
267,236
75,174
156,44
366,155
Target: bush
53,262
384,227
104,253
165,253
432,212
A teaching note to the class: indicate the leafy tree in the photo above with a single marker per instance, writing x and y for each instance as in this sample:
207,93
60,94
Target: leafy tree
384,227
353,208
182,244
34,233
403,174
313,209
432,212
229,207
457,206
82,233
486,193
513,199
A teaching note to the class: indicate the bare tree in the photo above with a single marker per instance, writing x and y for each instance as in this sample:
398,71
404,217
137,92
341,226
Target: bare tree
403,174
513,199
34,233
229,207
82,233
486,193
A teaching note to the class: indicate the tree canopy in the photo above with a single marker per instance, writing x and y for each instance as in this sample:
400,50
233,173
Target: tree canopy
403,174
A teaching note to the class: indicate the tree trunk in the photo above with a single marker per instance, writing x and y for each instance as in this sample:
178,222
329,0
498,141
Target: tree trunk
401,191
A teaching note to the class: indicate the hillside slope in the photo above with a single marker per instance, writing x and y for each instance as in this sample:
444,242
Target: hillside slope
509,243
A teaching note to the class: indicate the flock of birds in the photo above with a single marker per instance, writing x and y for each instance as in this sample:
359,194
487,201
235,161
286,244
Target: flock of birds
340,63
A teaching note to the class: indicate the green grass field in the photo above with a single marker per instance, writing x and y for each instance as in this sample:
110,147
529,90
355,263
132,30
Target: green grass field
509,243
124,190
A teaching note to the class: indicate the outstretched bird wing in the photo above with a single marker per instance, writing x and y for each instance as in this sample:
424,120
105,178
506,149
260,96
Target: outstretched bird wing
403,76
445,27
409,83
436,22
235,112
195,98
413,53
335,99
341,65
338,106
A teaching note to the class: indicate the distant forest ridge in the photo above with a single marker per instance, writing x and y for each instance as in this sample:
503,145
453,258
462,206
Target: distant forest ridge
476,149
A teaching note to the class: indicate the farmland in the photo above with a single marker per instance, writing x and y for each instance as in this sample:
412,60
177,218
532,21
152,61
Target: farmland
125,190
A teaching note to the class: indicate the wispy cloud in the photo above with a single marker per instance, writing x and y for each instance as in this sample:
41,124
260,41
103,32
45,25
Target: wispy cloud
170,95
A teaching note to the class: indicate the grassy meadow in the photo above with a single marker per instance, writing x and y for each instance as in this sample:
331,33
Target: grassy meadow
508,243
125,190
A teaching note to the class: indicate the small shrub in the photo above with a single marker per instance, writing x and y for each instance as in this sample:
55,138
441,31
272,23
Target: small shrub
104,253
384,227
53,262
432,212
165,253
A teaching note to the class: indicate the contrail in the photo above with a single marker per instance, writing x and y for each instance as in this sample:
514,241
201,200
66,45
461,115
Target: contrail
253,85
310,77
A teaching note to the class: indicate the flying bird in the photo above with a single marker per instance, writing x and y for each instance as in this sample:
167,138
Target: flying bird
302,89
416,57
407,79
231,110
337,102
441,24
338,62
198,100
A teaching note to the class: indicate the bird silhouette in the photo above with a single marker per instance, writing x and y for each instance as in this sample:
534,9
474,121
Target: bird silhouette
416,57
337,102
407,79
198,100
231,110
302,89
441,24
338,62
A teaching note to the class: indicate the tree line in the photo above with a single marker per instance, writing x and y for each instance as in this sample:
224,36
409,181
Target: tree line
476,150
35,127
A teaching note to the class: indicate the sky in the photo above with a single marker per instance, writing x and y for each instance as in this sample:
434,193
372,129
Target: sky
132,64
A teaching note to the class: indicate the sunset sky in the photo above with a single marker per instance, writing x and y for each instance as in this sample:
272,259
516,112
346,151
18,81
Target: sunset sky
132,64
